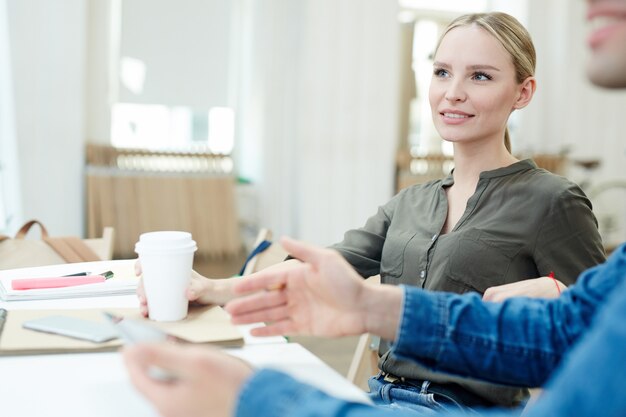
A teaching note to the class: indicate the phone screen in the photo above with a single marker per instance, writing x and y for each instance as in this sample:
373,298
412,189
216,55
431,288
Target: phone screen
73,327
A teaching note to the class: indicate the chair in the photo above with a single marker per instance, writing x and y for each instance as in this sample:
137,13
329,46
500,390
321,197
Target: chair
365,359
272,253
103,247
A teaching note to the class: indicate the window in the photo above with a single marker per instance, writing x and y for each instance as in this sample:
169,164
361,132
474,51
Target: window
172,84
160,127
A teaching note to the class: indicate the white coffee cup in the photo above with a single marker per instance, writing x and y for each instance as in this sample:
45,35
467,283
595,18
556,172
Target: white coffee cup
166,263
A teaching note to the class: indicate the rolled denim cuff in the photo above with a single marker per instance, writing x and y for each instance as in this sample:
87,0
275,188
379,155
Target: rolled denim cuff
269,393
272,393
423,325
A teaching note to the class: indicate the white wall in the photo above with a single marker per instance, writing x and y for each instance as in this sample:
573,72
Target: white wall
98,70
318,112
10,195
48,49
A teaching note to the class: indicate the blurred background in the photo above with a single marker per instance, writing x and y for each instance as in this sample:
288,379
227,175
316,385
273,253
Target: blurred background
302,116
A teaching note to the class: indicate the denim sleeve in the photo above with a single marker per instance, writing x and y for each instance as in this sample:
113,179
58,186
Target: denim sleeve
272,393
591,380
517,342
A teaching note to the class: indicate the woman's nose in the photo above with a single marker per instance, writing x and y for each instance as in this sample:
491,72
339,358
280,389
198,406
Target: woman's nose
455,92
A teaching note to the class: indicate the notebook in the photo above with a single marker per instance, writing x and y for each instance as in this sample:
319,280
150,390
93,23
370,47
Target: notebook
123,282
207,324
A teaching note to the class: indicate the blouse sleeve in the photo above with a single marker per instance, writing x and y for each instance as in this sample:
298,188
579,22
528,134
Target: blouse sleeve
363,247
568,240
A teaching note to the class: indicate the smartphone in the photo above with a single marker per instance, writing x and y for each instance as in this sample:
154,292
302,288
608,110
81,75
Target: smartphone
73,327
133,331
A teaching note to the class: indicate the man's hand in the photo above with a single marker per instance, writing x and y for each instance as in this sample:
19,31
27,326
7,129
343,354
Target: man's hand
207,381
322,296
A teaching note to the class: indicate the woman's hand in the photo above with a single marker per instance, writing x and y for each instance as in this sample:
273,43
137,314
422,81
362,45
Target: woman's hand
543,287
206,382
201,290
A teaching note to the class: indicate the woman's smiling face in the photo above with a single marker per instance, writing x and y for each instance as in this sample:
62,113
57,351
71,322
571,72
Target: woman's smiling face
474,87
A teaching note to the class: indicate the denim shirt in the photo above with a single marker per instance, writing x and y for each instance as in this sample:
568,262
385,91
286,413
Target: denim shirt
519,341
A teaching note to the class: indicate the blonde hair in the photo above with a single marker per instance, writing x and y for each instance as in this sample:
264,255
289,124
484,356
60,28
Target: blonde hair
512,36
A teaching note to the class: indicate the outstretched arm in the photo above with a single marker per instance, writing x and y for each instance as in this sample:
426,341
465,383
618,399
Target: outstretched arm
517,342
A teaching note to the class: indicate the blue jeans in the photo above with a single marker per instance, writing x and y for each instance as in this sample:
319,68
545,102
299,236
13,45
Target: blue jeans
404,396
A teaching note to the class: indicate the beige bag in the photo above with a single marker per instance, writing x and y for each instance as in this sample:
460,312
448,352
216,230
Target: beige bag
20,252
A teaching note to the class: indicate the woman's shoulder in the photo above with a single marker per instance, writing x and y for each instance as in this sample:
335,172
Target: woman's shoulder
548,183
419,190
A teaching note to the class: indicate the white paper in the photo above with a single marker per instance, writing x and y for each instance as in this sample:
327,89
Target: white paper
123,282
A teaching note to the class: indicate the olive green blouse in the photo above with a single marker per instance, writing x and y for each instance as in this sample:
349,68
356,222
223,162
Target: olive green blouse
521,222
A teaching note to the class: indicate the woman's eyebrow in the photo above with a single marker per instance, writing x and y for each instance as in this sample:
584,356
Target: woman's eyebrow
441,65
482,67
474,67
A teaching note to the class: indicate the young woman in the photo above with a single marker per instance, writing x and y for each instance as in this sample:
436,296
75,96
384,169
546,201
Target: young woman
494,221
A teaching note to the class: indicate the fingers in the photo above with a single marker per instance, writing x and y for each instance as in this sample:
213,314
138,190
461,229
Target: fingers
494,296
182,361
280,328
262,280
137,267
141,295
272,314
302,251
241,307
201,289
138,360
489,294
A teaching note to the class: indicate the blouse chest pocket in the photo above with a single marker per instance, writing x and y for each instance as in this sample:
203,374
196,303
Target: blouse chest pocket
392,258
481,260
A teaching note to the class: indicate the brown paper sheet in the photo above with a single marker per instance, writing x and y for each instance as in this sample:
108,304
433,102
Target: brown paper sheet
209,325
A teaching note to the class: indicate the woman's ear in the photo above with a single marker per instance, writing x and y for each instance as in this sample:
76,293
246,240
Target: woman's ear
526,91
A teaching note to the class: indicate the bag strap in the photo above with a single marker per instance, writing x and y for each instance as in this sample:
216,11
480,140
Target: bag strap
72,249
21,234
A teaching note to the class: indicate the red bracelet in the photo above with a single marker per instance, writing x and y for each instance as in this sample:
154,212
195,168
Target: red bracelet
551,275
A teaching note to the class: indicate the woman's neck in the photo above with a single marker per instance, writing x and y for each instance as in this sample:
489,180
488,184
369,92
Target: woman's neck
470,161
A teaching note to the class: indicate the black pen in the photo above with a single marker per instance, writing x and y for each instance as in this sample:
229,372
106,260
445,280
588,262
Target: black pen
78,274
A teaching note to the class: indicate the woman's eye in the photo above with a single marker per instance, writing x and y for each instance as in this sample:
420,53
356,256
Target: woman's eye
439,72
481,76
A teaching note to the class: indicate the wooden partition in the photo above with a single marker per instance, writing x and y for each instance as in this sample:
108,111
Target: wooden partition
138,191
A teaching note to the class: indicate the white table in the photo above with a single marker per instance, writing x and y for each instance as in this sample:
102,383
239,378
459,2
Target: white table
96,384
